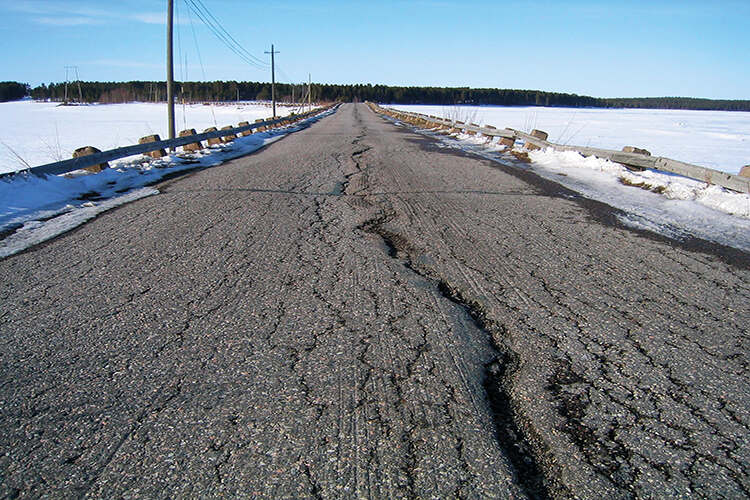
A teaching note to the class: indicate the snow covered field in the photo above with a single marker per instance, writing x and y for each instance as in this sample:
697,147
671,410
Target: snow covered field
713,139
665,203
36,133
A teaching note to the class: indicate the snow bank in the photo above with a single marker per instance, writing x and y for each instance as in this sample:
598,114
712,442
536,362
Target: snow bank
34,209
662,202
713,139
36,133
672,186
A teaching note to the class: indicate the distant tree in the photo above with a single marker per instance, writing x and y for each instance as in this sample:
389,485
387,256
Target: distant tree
116,96
13,91
263,95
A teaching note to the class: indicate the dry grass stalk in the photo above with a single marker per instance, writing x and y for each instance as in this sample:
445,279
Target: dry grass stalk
642,185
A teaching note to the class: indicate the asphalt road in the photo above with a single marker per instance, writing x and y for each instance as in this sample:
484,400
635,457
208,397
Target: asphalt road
355,311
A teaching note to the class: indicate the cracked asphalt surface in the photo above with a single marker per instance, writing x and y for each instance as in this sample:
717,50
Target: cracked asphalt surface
355,311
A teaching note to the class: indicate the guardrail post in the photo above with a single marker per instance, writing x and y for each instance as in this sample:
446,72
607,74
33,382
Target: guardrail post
214,140
489,137
508,142
261,129
90,150
158,153
193,146
539,134
246,132
444,129
633,149
472,132
745,171
230,137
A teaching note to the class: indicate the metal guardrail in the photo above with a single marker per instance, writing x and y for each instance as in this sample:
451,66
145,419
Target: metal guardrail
65,166
730,181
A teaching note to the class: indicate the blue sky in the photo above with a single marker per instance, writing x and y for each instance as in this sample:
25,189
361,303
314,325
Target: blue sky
600,48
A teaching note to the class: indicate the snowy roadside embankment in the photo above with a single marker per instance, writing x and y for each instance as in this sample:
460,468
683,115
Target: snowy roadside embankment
671,186
36,133
35,209
669,204
713,139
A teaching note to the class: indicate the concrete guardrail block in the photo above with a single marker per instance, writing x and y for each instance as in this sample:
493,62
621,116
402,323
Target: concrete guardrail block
159,153
214,140
488,136
246,132
472,132
90,150
540,134
193,146
230,137
633,149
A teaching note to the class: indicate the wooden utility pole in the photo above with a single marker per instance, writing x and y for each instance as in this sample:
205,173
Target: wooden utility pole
309,91
65,101
80,92
170,69
273,80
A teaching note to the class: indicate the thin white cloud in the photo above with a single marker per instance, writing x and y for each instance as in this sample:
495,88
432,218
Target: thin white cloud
29,7
66,21
52,8
150,17
57,13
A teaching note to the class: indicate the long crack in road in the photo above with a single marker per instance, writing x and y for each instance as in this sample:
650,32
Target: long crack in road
357,312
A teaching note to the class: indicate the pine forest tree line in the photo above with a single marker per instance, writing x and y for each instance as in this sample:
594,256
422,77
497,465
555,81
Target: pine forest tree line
13,91
223,91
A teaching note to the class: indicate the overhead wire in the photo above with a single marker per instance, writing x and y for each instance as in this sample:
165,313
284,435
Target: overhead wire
195,39
251,56
200,11
303,97
284,77
200,58
182,68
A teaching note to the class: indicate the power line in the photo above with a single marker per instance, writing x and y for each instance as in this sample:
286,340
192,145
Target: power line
183,68
200,10
222,38
200,58
251,56
179,43
197,46
284,76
